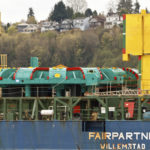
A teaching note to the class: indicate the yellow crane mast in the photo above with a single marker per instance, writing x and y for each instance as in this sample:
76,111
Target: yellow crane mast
137,42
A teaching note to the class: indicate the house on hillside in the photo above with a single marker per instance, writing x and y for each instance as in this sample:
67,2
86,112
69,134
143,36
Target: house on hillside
47,25
31,28
21,26
97,21
66,25
81,23
113,19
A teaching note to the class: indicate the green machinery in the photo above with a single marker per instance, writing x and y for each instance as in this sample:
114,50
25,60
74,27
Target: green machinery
70,93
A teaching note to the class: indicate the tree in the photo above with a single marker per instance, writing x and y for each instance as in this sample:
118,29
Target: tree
137,7
112,5
69,12
31,12
94,13
6,27
78,5
129,6
122,8
110,11
88,12
78,15
12,29
147,11
31,18
59,13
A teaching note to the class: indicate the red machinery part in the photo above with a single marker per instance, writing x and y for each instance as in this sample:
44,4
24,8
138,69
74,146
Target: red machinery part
76,109
115,78
100,73
136,75
124,16
1,78
123,51
130,70
38,69
130,106
77,69
14,76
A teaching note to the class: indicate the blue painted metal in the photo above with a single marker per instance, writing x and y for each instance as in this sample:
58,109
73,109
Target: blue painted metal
67,135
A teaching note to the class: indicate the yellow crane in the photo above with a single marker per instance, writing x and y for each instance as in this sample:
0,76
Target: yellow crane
136,38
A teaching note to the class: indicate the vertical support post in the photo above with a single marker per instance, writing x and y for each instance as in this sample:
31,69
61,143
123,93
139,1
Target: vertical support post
58,92
22,91
20,109
139,109
4,108
124,34
139,68
27,91
106,109
122,109
70,99
36,109
37,92
0,25
88,107
55,108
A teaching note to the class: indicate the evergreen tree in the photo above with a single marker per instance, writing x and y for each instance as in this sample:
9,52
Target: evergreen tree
124,6
78,15
110,11
31,13
88,12
137,7
69,12
121,7
59,13
147,11
129,6
31,18
95,13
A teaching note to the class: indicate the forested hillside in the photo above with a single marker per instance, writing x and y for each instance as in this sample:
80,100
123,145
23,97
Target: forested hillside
95,47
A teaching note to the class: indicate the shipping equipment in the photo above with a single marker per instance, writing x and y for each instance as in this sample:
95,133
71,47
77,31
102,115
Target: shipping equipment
64,107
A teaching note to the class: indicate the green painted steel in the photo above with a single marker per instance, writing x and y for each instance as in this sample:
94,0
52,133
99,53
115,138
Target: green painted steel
34,62
14,109
61,76
27,91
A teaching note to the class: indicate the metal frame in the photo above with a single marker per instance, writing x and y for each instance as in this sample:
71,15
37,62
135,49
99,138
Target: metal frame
70,102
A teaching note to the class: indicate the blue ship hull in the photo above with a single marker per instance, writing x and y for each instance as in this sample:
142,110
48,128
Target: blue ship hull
45,135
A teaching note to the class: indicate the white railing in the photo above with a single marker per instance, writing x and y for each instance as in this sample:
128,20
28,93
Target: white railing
128,92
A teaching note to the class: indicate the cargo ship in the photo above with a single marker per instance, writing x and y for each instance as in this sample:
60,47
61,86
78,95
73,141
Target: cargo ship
78,107
72,108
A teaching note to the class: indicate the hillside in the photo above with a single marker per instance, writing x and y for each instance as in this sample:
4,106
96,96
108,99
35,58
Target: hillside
94,47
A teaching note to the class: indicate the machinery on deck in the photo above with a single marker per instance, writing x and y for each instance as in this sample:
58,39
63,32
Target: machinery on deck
65,93
65,81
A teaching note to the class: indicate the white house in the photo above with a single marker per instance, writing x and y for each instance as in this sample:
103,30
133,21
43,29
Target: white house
21,26
47,26
81,23
112,19
66,25
31,28
97,21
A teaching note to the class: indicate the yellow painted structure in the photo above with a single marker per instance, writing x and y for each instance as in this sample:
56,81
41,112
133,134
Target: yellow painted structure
134,34
0,25
137,43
